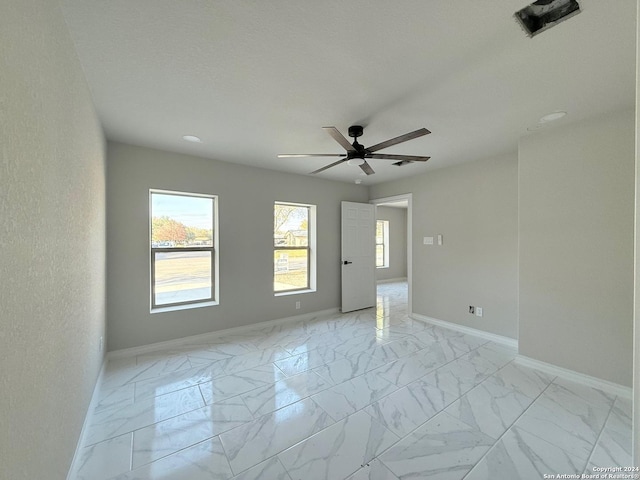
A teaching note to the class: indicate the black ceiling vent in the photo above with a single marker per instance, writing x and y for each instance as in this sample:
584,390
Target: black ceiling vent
544,14
402,163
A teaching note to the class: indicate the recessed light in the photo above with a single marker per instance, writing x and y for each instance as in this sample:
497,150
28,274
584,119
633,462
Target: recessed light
191,138
550,117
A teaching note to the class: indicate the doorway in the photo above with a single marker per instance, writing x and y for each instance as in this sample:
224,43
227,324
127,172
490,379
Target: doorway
394,208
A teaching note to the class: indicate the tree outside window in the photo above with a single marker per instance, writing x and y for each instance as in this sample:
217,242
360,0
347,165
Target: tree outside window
183,254
292,247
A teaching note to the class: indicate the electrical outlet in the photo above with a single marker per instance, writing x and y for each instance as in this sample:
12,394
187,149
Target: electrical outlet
472,309
478,311
297,305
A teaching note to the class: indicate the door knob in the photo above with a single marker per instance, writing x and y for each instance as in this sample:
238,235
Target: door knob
346,262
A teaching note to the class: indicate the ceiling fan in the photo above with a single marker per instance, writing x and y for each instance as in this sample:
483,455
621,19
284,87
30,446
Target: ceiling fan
357,154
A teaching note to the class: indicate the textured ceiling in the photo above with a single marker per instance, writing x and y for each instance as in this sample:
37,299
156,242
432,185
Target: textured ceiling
256,78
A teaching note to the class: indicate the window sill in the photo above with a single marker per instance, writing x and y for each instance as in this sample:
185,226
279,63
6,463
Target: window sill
387,266
176,308
295,292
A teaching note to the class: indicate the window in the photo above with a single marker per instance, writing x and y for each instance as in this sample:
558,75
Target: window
382,243
293,247
184,264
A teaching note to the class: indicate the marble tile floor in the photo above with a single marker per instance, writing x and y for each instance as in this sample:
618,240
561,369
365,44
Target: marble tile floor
372,394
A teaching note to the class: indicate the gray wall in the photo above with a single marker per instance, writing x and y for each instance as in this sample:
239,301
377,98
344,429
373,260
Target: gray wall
475,207
52,243
397,218
576,193
246,197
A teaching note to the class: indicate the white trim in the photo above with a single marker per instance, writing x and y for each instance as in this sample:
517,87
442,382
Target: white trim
203,337
507,341
188,306
392,280
216,252
293,292
311,247
75,462
605,385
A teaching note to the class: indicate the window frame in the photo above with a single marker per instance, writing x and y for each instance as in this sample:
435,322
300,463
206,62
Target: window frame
310,249
384,243
215,264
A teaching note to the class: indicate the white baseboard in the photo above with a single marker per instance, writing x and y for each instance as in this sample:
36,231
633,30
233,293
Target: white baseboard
392,280
73,469
506,341
605,385
204,337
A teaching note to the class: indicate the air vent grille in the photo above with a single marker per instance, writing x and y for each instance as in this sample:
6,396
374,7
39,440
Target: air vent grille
544,14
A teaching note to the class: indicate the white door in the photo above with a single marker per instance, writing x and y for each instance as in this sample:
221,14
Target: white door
358,256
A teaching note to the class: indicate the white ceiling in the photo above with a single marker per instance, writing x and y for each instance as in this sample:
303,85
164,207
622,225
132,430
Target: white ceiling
257,78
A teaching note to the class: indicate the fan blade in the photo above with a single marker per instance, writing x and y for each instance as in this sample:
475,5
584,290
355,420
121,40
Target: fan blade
338,137
329,166
402,138
366,168
409,158
299,155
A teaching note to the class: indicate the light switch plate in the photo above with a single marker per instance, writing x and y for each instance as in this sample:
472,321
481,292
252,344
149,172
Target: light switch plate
428,240
439,239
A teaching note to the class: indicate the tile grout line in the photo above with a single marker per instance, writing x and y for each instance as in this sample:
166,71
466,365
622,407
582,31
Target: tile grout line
601,430
131,453
331,385
172,453
511,426
402,337
407,335
135,387
604,425
111,437
411,431
135,391
278,453
420,378
226,456
442,410
201,394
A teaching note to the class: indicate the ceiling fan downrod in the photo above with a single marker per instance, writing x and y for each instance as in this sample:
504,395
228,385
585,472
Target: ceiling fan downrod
356,131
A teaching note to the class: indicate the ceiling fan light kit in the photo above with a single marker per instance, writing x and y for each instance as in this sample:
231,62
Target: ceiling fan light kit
357,154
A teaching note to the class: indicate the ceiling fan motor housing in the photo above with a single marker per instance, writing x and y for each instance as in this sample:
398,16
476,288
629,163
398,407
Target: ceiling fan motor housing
355,131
